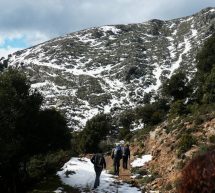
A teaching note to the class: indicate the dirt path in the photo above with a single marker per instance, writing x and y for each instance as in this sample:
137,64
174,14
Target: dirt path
124,174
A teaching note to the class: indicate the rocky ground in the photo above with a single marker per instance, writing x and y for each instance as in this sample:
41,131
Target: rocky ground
165,144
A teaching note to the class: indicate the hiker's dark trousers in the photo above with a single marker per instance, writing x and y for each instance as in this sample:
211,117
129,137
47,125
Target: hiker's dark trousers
98,171
116,165
125,162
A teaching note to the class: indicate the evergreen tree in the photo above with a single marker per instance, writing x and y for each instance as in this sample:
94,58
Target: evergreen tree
25,130
177,86
95,131
152,114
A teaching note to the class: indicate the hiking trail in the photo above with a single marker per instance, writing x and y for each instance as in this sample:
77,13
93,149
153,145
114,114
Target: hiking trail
79,173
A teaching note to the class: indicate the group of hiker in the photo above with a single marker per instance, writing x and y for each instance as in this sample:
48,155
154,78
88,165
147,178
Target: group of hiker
118,153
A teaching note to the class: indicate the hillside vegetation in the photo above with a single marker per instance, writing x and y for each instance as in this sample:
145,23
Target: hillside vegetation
178,123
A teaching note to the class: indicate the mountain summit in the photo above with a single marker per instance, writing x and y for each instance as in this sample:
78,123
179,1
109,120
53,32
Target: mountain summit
110,68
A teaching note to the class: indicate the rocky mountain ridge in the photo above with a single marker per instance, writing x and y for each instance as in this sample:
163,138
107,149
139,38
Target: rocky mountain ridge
108,69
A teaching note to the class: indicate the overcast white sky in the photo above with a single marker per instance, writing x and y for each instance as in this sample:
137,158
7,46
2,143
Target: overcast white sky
24,23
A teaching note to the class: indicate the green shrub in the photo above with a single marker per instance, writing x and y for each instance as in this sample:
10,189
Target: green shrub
178,108
147,179
198,120
142,133
50,184
169,186
203,149
40,166
139,170
36,168
152,114
56,160
128,136
125,119
123,132
177,86
205,109
142,145
212,139
185,143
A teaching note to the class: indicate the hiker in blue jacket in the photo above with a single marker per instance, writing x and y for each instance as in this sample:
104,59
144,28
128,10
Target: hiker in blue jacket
99,163
116,156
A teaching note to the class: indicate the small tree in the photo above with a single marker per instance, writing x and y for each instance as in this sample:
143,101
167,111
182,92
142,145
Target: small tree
152,114
178,108
95,131
177,86
126,118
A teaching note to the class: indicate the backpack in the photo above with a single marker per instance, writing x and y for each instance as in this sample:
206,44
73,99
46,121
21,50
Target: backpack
125,151
117,153
98,160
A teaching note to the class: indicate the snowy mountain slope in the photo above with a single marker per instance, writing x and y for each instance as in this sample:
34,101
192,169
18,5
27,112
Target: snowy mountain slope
109,68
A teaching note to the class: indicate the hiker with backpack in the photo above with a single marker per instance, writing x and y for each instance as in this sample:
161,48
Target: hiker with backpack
125,156
116,156
99,163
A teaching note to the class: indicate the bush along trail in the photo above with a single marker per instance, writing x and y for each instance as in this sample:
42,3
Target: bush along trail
79,173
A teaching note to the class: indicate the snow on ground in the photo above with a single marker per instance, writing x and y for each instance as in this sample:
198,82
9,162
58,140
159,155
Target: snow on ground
110,28
141,161
137,125
79,172
157,73
187,47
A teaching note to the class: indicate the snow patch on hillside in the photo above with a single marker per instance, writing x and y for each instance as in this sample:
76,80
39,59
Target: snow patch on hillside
110,28
139,162
187,46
